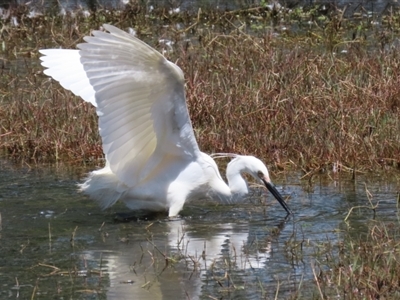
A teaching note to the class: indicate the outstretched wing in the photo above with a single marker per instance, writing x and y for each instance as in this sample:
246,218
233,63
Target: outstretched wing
140,100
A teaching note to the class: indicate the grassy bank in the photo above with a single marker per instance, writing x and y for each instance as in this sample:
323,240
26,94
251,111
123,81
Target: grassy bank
296,88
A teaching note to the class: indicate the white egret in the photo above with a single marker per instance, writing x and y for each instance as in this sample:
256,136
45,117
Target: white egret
153,161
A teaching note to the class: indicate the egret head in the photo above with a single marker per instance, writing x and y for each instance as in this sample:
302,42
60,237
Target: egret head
257,169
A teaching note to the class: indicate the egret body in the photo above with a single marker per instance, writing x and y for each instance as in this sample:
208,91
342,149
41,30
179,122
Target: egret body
153,161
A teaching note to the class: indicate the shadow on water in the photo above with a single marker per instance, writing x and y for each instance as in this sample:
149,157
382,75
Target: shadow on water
55,243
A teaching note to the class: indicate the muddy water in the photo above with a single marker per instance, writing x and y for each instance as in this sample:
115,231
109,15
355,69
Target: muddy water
56,244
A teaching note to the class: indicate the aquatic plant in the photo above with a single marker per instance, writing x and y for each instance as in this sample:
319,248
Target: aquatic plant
367,267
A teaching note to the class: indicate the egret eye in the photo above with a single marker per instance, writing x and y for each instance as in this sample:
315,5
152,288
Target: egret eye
260,174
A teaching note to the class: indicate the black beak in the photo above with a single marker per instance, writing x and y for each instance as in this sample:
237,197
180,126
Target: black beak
277,196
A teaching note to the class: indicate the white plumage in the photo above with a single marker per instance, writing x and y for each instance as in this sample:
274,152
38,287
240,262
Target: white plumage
153,161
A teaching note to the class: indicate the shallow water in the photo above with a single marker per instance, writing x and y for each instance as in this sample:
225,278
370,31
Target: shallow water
56,244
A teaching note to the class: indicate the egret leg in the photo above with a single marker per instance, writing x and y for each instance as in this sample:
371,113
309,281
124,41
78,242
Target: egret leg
176,206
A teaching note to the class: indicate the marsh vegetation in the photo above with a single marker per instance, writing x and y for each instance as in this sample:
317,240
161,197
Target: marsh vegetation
296,88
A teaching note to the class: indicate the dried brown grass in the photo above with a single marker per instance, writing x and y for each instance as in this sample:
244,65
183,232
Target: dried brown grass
310,107
292,99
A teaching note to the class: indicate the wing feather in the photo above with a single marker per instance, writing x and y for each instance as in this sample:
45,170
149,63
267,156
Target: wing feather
65,67
140,100
122,137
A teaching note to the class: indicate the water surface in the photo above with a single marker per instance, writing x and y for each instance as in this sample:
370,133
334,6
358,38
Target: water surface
56,244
